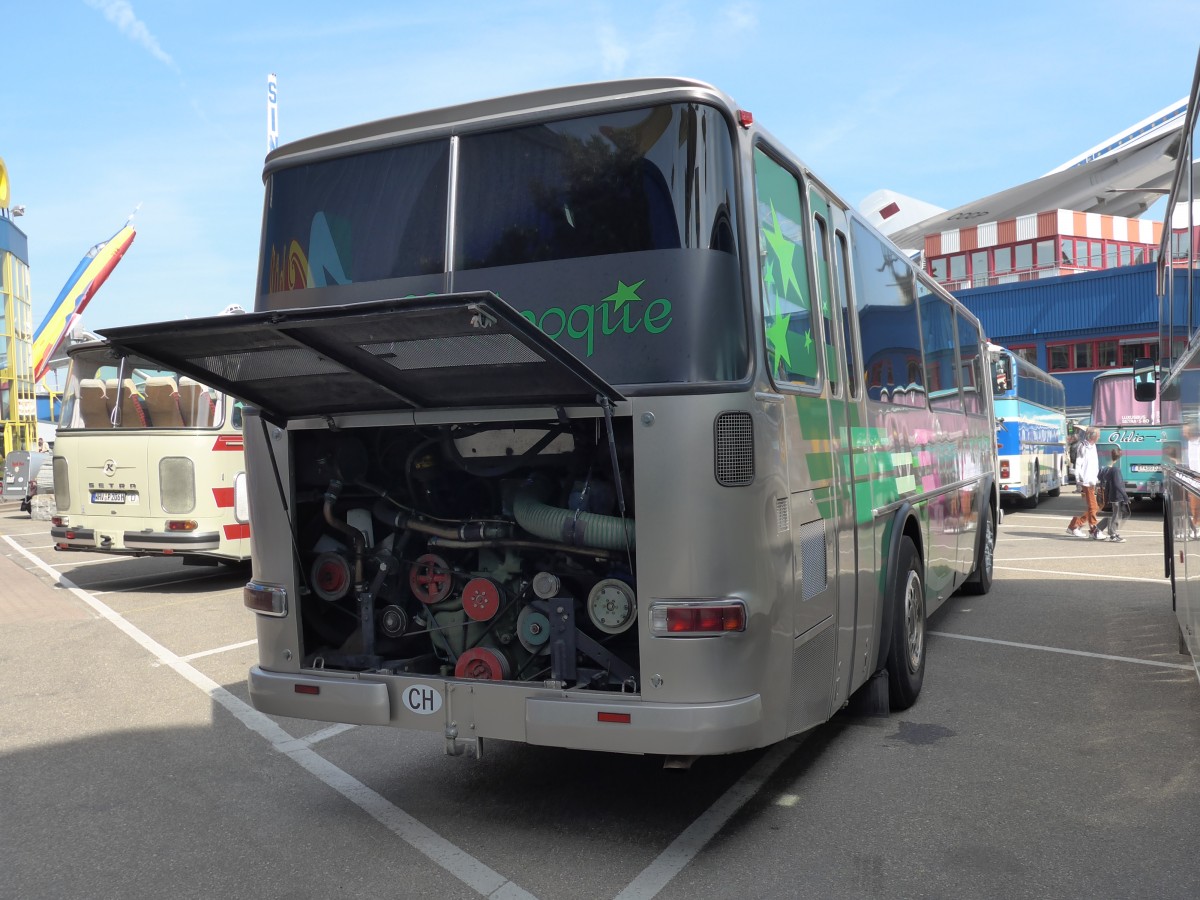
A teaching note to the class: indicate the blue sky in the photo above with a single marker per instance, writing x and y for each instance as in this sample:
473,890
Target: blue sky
108,104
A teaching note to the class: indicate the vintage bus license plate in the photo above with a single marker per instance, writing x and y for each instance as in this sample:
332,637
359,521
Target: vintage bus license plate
108,497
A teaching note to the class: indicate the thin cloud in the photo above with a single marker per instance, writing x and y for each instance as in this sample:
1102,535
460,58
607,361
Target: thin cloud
121,14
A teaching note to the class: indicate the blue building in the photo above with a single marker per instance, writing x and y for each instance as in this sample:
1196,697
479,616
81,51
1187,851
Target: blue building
1075,326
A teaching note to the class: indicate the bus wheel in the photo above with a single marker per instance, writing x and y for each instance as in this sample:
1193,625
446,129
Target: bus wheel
980,580
906,656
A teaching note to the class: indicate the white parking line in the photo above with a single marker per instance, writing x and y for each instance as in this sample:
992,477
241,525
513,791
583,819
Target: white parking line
684,848
1128,659
457,862
1075,556
315,738
1081,574
192,656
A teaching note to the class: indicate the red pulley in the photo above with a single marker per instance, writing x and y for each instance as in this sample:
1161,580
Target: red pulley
483,664
430,579
481,599
330,576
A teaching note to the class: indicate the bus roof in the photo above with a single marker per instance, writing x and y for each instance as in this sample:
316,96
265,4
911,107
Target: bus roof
463,114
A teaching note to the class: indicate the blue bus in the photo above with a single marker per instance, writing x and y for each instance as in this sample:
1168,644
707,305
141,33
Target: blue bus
1031,427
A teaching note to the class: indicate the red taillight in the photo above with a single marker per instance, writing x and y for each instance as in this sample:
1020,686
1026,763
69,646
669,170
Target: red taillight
1004,468
702,617
745,118
182,525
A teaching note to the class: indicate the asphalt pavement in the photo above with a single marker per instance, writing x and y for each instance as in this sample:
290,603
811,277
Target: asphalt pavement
1052,753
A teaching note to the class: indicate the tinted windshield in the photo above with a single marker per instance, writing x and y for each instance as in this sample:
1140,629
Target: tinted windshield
614,233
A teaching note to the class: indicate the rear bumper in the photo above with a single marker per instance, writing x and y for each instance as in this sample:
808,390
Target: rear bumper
515,712
68,538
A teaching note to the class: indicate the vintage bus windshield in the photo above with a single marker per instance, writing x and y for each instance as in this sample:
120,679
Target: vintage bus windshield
1113,404
615,234
102,392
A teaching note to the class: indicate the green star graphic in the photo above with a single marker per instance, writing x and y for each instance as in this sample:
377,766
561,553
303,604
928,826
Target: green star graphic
785,252
623,294
777,334
808,339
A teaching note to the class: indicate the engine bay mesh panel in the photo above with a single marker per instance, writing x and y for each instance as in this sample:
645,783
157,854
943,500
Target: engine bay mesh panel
459,350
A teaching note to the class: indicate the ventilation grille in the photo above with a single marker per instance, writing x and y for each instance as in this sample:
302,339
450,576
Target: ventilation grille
455,350
812,668
734,438
813,576
783,514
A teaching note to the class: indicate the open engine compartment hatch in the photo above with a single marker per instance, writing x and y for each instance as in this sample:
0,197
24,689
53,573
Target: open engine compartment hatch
454,350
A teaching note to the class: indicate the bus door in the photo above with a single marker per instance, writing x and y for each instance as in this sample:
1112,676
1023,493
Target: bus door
844,396
795,351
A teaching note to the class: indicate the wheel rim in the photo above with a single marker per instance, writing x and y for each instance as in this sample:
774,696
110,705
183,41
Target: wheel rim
989,546
914,621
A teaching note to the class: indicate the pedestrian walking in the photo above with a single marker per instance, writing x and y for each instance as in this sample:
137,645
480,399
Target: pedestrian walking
1112,483
1087,471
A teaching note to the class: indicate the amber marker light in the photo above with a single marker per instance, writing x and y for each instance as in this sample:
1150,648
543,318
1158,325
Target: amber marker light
265,599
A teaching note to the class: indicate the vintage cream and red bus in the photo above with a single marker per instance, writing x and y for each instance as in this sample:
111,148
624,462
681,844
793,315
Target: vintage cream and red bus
489,340
148,461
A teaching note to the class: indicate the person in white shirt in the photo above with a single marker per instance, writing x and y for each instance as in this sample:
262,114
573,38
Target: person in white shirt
1087,471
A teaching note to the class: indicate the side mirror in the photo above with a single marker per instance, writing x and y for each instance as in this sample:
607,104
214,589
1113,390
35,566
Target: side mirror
1145,387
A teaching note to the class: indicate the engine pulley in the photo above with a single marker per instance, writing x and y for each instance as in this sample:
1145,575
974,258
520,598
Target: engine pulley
393,621
612,605
533,630
481,599
484,664
330,576
430,579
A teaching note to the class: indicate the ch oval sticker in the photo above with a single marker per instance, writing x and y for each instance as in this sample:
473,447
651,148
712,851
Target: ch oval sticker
422,699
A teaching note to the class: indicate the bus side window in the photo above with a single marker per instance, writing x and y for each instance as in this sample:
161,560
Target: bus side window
842,289
787,310
825,298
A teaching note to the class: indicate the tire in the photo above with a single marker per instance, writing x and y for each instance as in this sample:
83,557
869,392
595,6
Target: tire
1031,502
979,582
906,650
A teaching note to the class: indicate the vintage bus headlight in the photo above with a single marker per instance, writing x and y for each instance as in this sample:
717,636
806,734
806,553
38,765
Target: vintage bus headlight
697,618
265,599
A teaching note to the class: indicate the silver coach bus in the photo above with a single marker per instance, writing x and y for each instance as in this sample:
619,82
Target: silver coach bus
590,418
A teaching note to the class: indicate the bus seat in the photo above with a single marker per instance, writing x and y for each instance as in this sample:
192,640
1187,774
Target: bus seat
196,403
162,402
93,403
133,408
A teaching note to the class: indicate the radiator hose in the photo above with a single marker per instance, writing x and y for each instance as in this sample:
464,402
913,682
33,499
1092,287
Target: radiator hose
568,526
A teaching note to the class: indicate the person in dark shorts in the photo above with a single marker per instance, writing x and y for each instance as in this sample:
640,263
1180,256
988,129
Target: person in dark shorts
1112,481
